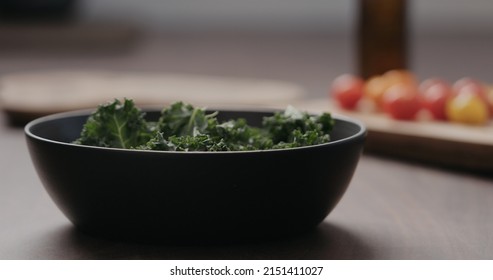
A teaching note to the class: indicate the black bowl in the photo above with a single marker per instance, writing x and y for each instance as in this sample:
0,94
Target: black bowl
192,196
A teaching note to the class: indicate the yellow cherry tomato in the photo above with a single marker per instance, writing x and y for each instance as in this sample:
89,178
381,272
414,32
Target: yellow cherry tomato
374,88
400,76
468,109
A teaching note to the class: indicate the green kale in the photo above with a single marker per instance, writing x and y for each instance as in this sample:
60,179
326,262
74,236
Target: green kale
298,128
116,125
300,139
184,143
182,119
239,136
181,127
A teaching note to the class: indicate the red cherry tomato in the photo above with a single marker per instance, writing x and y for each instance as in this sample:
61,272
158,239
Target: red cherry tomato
401,102
347,90
424,85
469,85
434,96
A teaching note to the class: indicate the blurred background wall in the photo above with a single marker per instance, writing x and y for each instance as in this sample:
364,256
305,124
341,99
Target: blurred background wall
309,42
428,16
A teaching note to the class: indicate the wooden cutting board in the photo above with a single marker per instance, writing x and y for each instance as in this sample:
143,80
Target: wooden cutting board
24,96
446,144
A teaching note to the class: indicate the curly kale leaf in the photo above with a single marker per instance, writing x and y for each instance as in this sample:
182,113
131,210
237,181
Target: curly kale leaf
116,125
298,128
301,139
185,143
239,136
180,119
233,135
184,127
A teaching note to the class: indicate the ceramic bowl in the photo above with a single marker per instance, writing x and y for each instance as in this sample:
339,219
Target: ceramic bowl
192,196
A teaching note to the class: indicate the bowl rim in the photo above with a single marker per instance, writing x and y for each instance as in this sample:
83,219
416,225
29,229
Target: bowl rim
86,112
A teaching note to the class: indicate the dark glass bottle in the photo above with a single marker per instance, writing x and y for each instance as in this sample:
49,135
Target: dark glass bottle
381,36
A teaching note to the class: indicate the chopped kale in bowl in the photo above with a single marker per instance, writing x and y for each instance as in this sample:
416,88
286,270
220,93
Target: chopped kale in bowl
183,127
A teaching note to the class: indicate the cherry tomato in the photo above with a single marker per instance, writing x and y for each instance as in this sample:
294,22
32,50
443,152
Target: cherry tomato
489,95
376,86
424,85
374,89
472,86
467,108
400,76
401,102
434,95
347,90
